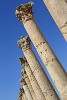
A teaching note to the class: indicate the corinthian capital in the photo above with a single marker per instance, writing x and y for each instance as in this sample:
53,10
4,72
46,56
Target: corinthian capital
23,72
24,42
23,62
21,90
22,81
24,12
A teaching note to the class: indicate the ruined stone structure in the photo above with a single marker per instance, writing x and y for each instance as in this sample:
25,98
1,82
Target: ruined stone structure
32,79
29,84
45,85
37,77
58,10
27,92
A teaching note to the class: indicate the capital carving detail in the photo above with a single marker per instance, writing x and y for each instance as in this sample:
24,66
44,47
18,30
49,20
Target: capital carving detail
21,90
21,94
22,81
23,62
24,12
23,72
24,42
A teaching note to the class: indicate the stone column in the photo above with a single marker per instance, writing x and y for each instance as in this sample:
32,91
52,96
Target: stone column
37,70
58,10
55,69
32,79
29,85
26,90
22,94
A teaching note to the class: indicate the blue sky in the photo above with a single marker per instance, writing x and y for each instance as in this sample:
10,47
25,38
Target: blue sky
10,32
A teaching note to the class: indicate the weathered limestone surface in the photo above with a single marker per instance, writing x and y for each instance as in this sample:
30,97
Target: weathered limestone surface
54,68
37,70
29,85
58,10
32,79
64,31
26,90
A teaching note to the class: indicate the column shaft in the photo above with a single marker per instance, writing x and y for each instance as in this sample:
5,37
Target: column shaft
38,71
34,83
29,86
58,10
40,76
27,92
53,66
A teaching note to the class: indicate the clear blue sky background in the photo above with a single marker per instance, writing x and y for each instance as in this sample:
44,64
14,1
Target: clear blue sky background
10,32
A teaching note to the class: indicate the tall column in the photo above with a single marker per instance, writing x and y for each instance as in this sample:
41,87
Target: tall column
43,81
32,79
55,69
29,85
27,92
58,10
22,94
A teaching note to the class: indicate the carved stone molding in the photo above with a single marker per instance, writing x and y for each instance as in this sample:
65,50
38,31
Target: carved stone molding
23,62
24,12
21,93
22,81
21,90
23,72
24,42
